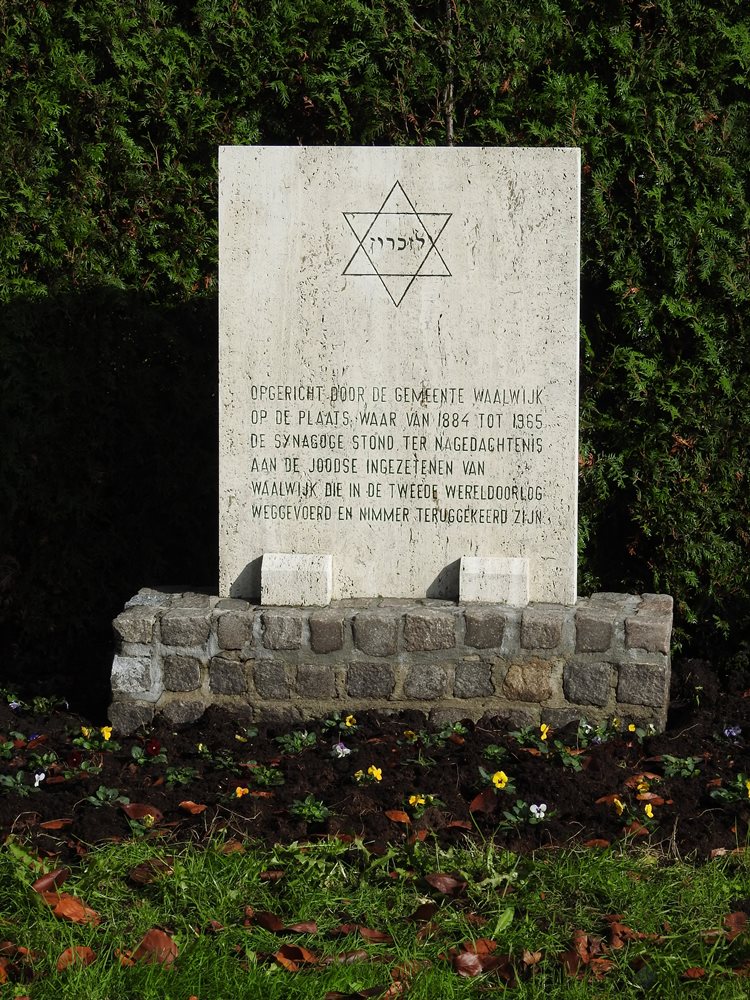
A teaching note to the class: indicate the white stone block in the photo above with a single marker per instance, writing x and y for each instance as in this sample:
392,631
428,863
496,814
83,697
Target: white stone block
494,580
296,578
398,363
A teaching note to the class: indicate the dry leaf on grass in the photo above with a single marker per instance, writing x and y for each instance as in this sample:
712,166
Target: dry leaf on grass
78,955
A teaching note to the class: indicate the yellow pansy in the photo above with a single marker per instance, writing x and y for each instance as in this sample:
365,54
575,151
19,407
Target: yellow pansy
350,721
544,730
631,727
417,800
86,732
649,810
375,772
106,732
618,806
239,791
500,779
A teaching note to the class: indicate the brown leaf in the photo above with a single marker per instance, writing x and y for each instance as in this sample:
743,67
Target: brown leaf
140,810
482,946
596,842
291,956
655,800
449,885
735,924
149,871
459,824
55,824
636,829
398,816
419,835
193,808
599,967
46,883
156,947
78,955
346,957
531,957
70,908
271,876
377,937
232,847
607,799
467,964
425,911
532,751
694,972
636,779
485,801
304,927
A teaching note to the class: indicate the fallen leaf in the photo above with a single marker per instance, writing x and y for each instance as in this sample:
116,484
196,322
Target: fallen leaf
398,816
449,885
467,964
636,829
459,824
366,932
735,924
156,947
78,955
636,779
55,824
149,871
607,799
596,842
482,946
232,847
425,911
485,801
46,883
291,956
694,972
271,922
346,957
140,810
70,908
655,800
531,957
271,876
193,808
418,836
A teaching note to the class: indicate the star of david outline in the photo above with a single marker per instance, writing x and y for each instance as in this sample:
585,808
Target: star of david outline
397,294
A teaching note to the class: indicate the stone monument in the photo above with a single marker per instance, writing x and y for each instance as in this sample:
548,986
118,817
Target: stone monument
398,373
398,456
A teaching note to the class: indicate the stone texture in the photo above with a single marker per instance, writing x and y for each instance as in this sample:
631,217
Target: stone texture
296,579
150,597
234,629
587,683
125,717
485,628
282,630
304,233
494,579
559,717
643,684
182,713
316,680
473,680
530,681
136,624
326,631
181,673
648,632
656,604
190,599
542,628
594,632
271,681
375,633
226,676
370,680
136,675
184,627
425,682
429,630
232,604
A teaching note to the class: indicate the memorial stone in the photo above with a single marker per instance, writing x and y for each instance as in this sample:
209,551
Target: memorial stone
399,371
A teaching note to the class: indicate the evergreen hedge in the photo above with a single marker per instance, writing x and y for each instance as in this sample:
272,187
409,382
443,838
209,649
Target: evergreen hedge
112,112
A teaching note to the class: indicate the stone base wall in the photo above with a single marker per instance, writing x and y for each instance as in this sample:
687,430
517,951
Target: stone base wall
606,656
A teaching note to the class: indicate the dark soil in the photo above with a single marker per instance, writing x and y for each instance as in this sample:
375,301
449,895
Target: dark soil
58,819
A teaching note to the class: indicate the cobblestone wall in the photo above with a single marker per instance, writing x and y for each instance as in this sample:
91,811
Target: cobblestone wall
606,656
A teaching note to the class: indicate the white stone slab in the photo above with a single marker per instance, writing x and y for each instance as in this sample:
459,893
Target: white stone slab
399,364
495,580
296,578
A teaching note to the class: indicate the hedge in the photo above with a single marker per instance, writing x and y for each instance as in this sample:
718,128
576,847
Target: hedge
112,115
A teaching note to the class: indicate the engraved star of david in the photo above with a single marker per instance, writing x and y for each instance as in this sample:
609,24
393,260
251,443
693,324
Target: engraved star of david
397,244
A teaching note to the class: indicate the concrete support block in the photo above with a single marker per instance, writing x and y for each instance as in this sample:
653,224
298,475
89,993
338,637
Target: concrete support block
376,633
494,579
296,579
429,630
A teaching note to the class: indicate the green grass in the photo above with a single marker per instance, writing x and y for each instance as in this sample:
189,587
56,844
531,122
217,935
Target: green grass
531,903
